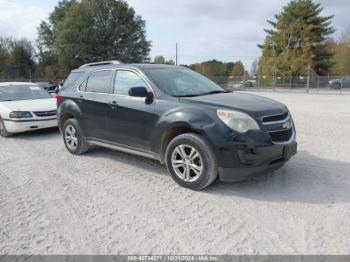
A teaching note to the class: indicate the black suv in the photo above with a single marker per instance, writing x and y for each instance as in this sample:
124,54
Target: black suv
178,117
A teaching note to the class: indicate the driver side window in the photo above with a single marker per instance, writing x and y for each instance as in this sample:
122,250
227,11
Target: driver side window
125,80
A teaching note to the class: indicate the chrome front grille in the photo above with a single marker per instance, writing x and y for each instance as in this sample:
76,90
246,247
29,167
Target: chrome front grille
45,113
280,127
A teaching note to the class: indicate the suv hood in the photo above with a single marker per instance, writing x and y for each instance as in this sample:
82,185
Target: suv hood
253,105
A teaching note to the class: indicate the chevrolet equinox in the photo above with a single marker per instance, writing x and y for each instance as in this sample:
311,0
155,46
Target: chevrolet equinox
177,116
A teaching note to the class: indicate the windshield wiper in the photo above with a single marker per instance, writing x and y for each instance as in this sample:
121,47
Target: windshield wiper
214,92
205,94
187,96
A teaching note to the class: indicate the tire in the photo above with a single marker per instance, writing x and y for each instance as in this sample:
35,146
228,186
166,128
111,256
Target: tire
336,86
202,170
73,137
3,130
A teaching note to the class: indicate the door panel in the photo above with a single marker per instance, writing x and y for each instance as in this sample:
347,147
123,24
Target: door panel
131,121
94,104
95,109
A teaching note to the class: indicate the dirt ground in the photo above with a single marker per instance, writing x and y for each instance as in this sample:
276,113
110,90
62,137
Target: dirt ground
108,202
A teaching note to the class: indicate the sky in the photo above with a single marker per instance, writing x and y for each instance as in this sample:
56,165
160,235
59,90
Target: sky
226,30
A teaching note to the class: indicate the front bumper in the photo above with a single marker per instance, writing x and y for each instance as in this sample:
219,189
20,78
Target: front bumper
258,160
18,126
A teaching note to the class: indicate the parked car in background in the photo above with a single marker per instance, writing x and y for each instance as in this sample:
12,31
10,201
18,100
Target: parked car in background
247,83
340,83
53,90
49,87
25,107
178,117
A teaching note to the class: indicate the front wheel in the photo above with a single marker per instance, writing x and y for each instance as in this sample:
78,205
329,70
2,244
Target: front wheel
3,130
336,86
73,137
191,161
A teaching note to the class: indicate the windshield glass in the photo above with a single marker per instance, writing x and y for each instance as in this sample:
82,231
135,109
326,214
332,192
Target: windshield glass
15,93
182,82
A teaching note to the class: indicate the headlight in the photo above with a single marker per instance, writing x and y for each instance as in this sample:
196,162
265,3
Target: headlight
20,114
237,121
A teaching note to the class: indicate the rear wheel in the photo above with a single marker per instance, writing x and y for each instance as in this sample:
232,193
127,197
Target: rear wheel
191,161
3,130
337,86
73,137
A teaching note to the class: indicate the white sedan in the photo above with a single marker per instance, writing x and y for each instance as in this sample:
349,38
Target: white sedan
25,107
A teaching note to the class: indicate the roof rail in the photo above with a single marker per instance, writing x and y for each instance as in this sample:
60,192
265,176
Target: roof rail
113,62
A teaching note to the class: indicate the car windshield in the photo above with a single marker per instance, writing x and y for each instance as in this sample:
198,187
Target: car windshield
15,93
182,82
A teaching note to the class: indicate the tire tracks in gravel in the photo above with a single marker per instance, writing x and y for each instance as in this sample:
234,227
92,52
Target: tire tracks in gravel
120,212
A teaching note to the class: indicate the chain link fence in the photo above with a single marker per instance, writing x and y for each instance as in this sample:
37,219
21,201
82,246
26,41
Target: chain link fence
303,84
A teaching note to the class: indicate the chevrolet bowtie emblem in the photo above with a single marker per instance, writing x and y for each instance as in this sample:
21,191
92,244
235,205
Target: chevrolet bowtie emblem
287,125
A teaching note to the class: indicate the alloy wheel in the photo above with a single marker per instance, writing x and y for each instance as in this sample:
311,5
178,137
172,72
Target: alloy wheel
70,135
187,163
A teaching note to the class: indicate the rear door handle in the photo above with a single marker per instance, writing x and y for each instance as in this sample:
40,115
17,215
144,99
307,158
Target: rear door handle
114,104
81,98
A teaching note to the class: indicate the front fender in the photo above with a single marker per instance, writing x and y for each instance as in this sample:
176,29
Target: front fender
186,117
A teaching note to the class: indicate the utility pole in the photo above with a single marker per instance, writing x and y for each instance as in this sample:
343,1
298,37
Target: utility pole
291,77
274,67
308,79
177,54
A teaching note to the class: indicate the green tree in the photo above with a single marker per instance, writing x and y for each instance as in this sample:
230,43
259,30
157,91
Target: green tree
48,53
341,59
21,62
85,31
254,71
170,62
159,59
96,30
217,68
238,69
211,68
5,53
297,40
16,58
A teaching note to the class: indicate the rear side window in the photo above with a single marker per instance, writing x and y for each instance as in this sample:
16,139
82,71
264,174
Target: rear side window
99,82
74,76
125,80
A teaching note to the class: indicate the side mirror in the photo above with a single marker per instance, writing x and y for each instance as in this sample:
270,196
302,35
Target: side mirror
138,92
142,92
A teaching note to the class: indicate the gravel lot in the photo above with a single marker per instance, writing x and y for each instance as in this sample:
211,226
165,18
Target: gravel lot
107,202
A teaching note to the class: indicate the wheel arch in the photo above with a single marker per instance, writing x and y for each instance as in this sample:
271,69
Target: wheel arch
67,110
175,130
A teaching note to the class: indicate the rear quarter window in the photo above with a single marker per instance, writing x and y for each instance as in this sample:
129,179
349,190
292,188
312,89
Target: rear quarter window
72,78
